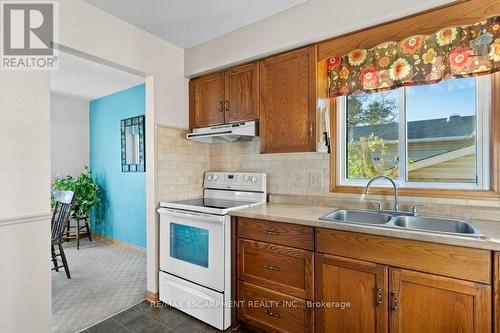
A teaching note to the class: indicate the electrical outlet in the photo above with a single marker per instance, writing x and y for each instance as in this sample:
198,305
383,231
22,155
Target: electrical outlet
315,178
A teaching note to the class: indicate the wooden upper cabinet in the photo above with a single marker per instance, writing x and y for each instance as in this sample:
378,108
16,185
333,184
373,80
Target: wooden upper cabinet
288,102
206,100
433,304
362,284
224,97
242,93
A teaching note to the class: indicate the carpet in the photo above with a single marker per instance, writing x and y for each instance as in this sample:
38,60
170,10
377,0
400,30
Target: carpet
105,279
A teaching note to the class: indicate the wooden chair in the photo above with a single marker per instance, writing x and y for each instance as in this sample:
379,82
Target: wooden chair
60,218
82,223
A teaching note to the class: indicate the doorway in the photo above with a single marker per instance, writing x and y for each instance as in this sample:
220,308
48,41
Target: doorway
91,103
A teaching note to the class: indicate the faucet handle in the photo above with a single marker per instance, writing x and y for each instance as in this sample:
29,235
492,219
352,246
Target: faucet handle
415,208
377,203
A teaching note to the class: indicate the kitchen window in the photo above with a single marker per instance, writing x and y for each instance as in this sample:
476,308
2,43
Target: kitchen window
426,136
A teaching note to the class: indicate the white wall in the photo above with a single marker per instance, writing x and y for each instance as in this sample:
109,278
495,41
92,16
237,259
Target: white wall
91,30
25,155
69,121
25,305
312,21
24,202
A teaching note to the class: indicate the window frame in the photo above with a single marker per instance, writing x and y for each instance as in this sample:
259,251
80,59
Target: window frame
483,103
491,165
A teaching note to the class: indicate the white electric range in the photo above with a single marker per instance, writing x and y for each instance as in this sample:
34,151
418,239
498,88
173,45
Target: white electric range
195,245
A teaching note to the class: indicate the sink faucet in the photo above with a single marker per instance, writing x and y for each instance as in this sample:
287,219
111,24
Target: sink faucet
367,188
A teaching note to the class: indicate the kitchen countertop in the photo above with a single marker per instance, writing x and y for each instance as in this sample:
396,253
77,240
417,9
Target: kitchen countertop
309,215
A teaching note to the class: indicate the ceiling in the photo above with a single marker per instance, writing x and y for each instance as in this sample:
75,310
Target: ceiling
186,23
88,80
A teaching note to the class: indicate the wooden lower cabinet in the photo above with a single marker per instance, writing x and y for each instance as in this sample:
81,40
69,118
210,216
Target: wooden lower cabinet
433,304
286,234
279,268
411,302
274,276
361,284
270,311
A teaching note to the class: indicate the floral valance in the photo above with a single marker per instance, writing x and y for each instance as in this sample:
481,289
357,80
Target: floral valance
422,59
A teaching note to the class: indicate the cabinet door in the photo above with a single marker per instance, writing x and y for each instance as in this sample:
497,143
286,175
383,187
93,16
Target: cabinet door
433,304
242,93
362,284
288,102
206,100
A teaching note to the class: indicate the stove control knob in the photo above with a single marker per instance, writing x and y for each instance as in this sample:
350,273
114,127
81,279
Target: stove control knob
209,177
254,179
247,178
216,177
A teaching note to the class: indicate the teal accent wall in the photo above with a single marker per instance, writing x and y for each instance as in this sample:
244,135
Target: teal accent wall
124,193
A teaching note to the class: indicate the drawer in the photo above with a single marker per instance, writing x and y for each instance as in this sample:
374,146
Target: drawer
440,259
271,311
293,235
280,268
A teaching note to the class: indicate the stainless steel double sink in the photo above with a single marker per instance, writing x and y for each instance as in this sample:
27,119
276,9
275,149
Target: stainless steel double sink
404,220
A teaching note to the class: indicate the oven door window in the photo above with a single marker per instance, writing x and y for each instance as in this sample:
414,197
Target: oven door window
189,244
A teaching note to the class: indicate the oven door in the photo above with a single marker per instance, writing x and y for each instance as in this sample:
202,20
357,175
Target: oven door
192,246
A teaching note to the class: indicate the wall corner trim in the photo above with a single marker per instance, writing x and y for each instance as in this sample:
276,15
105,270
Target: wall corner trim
38,217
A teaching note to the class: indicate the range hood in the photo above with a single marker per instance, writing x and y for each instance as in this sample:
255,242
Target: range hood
244,131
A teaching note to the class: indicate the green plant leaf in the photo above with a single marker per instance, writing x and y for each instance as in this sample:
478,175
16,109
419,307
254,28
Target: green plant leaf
87,194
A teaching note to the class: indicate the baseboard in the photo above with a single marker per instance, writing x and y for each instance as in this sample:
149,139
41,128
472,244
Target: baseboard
151,296
117,242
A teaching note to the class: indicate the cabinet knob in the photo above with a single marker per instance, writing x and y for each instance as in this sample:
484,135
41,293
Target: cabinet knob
272,233
220,108
226,106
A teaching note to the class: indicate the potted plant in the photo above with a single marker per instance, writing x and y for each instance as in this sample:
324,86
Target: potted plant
87,193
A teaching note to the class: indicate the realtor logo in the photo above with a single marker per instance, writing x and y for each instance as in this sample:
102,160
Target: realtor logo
29,33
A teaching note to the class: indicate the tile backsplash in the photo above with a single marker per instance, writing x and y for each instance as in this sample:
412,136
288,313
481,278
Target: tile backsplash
180,164
298,173
298,178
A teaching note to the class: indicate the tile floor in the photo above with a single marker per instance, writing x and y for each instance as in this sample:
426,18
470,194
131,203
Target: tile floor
146,318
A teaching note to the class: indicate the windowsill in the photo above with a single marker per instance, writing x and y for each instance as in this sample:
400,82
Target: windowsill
420,192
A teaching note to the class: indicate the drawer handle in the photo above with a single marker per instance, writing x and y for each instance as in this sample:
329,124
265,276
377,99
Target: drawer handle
271,267
273,314
379,297
272,233
394,301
